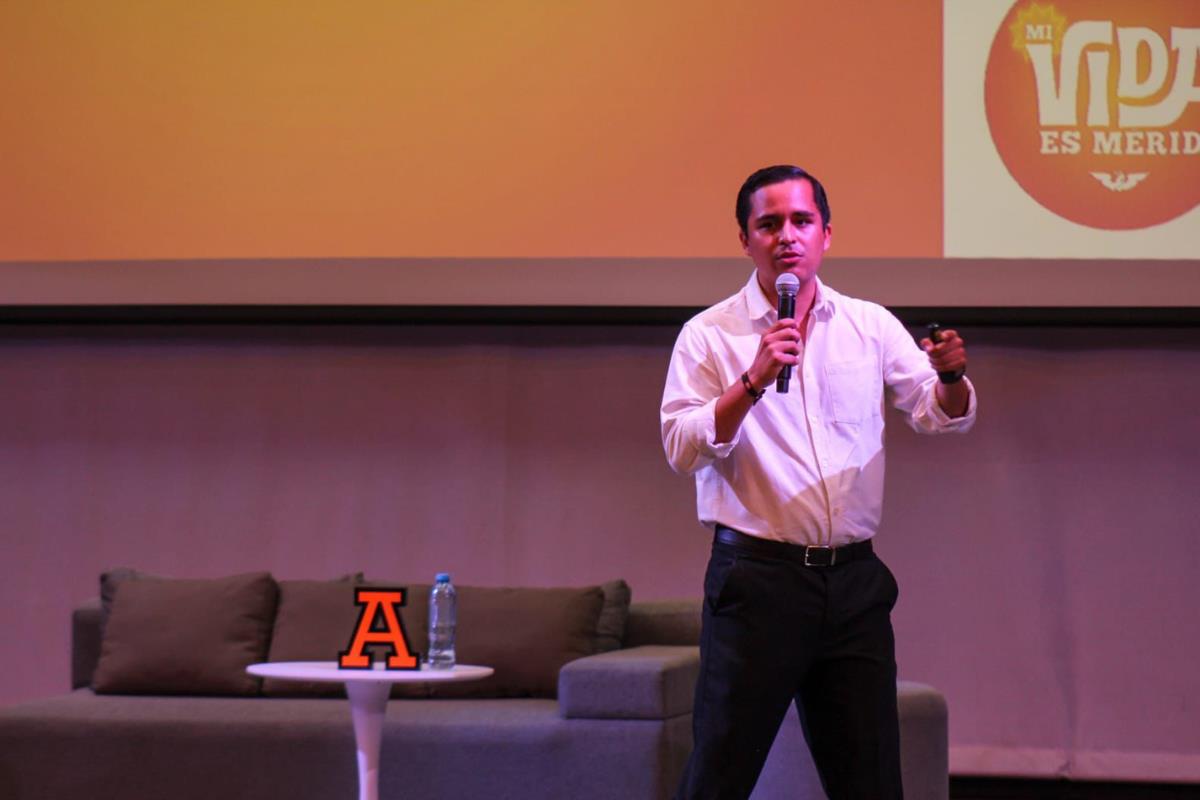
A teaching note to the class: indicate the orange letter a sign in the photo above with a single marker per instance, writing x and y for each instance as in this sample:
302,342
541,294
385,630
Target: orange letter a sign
381,605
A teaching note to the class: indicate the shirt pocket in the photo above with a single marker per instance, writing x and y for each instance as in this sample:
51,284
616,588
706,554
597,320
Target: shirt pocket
854,389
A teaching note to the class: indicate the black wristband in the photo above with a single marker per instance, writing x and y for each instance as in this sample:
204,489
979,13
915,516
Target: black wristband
750,390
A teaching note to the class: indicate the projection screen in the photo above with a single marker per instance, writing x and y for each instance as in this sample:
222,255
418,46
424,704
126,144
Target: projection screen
977,153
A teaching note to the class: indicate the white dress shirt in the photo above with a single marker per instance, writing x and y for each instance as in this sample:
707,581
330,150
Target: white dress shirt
807,466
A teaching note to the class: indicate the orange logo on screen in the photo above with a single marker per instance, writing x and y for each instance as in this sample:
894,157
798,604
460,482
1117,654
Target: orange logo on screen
1094,107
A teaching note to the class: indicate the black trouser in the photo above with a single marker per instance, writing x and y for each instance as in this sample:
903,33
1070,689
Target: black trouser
776,631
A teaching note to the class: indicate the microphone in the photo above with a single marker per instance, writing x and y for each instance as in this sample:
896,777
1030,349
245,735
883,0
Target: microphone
786,286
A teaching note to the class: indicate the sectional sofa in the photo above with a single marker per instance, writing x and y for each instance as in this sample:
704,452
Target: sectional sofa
591,699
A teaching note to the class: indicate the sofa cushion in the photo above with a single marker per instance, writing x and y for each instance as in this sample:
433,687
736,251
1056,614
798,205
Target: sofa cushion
109,583
674,622
185,636
525,634
610,628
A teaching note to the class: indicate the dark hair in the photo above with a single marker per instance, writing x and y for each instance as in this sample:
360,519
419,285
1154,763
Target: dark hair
778,174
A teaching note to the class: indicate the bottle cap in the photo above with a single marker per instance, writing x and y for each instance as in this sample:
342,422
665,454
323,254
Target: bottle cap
443,577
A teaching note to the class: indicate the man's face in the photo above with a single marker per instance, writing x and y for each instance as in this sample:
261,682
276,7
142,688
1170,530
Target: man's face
784,234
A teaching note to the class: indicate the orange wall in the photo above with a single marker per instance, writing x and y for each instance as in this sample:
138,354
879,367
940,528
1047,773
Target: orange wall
516,128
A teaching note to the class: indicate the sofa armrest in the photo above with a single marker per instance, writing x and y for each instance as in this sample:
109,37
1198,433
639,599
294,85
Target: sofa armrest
647,682
85,643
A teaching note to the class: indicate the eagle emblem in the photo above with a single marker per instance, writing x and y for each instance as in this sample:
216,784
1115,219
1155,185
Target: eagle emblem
1120,181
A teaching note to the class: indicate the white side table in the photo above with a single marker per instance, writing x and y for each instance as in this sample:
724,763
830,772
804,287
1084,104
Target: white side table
368,690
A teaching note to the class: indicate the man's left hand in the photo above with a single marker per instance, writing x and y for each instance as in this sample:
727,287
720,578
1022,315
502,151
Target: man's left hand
948,355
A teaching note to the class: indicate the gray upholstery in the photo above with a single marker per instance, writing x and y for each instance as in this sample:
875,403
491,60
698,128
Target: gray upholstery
101,746
663,622
621,727
646,682
924,747
924,742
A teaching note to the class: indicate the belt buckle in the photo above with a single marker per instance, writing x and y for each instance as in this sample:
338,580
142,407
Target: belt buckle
822,562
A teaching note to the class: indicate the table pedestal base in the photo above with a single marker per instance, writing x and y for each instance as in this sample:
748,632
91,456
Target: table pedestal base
368,705
368,690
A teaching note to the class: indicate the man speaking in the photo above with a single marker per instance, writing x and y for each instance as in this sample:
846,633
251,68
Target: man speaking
789,474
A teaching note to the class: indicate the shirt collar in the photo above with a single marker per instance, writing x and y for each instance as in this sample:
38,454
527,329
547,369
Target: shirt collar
758,306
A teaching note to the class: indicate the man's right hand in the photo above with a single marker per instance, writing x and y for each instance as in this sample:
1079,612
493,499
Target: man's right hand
778,347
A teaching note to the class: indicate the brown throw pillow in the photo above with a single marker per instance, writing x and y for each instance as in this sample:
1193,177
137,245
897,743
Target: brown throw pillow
110,581
186,636
525,634
610,628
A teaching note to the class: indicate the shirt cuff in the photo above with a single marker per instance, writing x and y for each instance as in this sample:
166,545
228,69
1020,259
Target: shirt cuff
946,422
710,446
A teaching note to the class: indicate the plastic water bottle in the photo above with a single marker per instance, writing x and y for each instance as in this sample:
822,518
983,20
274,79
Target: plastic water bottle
442,615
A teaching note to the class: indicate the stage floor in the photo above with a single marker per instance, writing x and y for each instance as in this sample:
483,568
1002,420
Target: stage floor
1029,789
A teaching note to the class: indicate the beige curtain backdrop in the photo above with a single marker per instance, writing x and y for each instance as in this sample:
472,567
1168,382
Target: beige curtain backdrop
1047,560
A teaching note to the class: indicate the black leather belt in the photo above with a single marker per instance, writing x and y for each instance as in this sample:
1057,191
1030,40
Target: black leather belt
808,555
